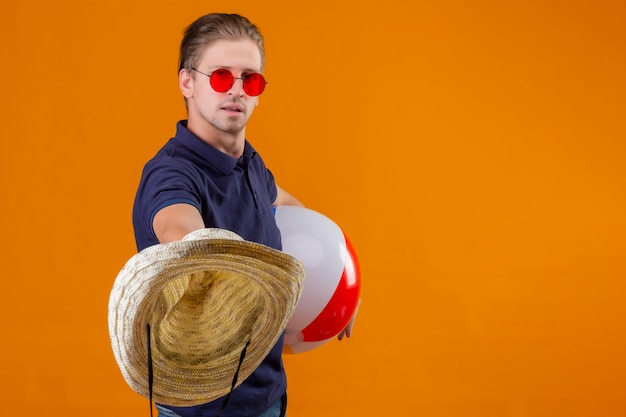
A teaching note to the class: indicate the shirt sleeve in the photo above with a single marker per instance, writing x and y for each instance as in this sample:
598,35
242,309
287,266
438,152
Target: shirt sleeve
271,185
163,183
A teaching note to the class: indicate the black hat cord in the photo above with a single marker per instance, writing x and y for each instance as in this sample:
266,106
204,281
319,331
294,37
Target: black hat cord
151,374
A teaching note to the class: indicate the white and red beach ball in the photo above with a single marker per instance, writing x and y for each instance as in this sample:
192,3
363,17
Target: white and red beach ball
332,284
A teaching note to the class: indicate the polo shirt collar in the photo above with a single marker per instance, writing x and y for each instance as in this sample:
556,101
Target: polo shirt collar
223,162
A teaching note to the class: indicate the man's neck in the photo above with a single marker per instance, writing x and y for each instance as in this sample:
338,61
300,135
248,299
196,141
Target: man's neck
230,143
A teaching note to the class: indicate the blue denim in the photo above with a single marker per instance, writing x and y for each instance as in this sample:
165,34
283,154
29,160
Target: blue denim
273,411
165,412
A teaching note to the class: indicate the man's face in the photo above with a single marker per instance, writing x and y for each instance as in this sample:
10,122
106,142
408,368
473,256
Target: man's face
227,112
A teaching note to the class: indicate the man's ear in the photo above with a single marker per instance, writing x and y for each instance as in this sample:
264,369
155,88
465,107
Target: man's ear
185,83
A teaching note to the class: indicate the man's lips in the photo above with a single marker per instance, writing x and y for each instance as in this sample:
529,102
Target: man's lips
233,107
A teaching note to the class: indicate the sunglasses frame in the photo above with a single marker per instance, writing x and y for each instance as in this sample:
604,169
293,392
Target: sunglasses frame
243,79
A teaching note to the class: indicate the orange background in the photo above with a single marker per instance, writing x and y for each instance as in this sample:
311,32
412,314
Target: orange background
473,151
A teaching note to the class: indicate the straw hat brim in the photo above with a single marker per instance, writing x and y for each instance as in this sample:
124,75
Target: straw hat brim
204,300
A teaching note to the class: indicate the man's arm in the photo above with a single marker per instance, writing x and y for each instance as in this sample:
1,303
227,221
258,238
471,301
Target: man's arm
176,221
283,198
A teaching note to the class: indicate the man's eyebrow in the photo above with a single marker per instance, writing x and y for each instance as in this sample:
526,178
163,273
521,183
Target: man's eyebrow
243,71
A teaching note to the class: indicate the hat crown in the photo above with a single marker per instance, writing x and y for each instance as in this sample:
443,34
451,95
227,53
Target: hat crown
193,325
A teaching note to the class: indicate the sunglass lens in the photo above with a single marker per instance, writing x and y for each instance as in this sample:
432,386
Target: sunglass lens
221,80
254,84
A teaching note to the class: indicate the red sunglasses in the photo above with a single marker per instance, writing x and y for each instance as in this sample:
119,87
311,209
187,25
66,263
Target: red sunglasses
222,80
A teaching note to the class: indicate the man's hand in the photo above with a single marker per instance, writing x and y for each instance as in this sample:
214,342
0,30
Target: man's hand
347,332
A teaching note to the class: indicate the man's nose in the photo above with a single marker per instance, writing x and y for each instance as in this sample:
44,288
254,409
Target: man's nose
237,87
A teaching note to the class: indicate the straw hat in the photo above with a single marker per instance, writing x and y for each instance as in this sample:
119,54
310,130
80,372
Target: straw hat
203,301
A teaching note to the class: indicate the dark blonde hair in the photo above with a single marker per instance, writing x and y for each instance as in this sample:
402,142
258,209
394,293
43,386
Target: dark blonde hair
213,27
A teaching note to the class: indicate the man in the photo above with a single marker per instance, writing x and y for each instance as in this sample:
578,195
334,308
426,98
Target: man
209,175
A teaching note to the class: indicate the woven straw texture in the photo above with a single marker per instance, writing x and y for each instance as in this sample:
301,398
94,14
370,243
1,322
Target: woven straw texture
204,298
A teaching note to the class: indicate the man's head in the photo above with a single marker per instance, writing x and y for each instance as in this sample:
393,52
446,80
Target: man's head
221,61
213,27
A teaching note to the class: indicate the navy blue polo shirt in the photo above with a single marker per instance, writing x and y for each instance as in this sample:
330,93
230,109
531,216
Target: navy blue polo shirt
230,193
